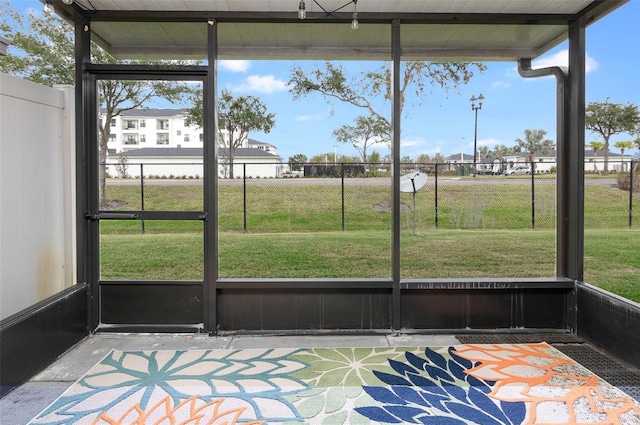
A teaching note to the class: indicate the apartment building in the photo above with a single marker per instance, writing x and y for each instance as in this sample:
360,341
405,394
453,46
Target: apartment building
161,142
161,128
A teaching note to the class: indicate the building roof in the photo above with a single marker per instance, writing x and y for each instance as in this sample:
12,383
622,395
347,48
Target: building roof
482,30
153,113
259,143
193,152
456,157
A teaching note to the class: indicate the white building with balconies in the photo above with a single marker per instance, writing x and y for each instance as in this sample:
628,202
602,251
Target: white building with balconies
165,128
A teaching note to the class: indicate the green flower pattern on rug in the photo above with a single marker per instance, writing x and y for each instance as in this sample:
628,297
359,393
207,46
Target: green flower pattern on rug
464,384
337,377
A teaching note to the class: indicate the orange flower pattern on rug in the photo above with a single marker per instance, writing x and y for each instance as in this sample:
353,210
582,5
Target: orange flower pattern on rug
186,413
556,389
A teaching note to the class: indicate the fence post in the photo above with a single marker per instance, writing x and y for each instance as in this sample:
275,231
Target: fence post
142,193
342,174
244,197
435,195
631,168
533,196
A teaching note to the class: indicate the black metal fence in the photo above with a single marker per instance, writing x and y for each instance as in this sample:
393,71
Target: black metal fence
270,197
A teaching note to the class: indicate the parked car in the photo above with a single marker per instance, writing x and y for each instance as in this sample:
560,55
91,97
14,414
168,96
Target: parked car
484,170
517,169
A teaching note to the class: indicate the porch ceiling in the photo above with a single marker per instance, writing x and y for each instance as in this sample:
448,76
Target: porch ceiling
484,30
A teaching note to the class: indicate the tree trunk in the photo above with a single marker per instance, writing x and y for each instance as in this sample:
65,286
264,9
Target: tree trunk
606,156
102,161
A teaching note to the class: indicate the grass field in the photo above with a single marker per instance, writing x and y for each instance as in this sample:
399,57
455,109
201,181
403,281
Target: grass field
285,205
295,231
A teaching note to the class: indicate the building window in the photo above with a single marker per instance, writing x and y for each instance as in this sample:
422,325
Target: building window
112,137
143,138
186,122
129,124
162,125
113,122
162,139
132,139
187,138
179,132
143,124
201,137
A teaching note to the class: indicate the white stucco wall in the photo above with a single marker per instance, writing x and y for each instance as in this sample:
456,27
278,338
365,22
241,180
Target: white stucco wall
37,185
178,167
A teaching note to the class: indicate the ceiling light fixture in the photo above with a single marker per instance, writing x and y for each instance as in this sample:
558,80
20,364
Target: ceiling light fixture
69,2
302,13
48,7
354,21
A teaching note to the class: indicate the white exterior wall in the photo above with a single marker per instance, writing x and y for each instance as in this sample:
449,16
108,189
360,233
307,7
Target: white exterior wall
179,167
37,193
257,168
544,165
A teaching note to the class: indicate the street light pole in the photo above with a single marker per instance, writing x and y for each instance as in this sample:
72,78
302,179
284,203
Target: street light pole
475,108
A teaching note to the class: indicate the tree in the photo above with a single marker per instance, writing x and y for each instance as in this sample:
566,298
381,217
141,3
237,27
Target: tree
45,55
596,146
367,131
297,161
483,152
118,96
122,167
607,119
237,116
439,158
322,158
423,158
370,89
374,158
622,145
500,151
533,142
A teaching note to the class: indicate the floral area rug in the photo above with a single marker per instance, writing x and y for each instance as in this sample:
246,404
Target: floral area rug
462,384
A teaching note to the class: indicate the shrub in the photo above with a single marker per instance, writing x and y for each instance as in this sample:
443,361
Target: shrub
623,181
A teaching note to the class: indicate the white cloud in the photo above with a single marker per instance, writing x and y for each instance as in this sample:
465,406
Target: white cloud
312,117
411,142
235,65
487,142
500,84
561,58
262,84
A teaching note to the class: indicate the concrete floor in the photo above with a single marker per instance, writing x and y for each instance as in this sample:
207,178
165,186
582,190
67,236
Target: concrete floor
24,403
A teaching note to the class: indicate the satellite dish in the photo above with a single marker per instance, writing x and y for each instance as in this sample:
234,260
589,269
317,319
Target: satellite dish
411,183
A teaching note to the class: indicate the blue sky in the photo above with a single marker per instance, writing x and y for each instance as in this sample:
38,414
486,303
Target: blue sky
444,122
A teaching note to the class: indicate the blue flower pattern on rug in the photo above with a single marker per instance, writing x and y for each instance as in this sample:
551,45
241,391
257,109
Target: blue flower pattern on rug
436,390
257,379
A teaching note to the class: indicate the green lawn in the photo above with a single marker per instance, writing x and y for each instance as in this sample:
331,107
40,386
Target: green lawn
295,231
489,203
611,260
